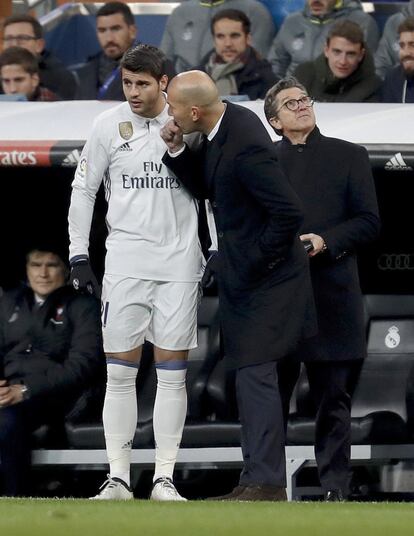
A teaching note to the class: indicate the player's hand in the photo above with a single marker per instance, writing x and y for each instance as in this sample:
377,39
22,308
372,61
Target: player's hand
82,277
172,134
210,271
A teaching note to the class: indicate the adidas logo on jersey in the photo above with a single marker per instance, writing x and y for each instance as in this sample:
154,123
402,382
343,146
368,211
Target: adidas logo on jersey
72,158
125,147
397,163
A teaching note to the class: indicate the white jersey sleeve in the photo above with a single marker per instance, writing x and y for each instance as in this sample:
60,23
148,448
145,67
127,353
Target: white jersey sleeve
89,174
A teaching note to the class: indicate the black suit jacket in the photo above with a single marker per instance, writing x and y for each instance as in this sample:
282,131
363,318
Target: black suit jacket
334,180
264,284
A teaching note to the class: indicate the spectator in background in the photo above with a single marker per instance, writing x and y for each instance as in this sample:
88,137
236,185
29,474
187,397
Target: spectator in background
50,352
19,74
236,67
345,71
387,54
100,77
27,32
187,36
302,36
399,82
334,182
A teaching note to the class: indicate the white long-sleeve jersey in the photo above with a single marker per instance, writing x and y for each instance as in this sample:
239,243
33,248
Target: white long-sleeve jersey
152,220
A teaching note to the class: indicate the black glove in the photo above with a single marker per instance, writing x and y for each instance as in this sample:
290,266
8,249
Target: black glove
82,278
208,279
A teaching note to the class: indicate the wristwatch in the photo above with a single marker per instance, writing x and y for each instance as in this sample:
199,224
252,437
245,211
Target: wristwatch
25,392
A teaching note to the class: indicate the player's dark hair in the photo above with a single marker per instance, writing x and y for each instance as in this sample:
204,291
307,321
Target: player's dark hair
145,59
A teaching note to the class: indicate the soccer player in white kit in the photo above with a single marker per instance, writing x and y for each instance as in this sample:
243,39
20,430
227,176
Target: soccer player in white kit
152,268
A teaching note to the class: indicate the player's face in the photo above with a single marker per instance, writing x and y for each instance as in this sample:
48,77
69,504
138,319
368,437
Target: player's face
114,35
302,120
343,56
180,111
14,79
407,52
45,273
144,93
230,40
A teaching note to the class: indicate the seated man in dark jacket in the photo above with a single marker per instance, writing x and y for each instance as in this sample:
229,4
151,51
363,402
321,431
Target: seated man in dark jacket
100,77
236,67
345,71
50,354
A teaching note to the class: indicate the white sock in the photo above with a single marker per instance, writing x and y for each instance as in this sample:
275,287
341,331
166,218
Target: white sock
120,416
170,410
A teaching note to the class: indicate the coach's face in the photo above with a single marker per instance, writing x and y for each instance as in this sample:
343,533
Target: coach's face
293,114
181,111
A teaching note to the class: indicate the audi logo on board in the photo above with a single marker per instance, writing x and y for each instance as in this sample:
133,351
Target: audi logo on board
396,261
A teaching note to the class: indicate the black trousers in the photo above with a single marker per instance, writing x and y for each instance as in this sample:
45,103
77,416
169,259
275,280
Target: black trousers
17,424
261,418
332,384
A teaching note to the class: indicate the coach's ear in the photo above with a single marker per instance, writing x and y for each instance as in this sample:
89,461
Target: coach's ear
163,82
195,113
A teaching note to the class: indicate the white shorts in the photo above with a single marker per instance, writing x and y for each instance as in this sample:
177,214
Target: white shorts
135,310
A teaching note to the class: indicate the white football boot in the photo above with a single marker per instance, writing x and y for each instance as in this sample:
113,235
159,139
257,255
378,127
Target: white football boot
114,489
163,489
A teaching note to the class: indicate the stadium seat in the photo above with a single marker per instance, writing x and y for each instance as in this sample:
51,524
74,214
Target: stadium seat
379,407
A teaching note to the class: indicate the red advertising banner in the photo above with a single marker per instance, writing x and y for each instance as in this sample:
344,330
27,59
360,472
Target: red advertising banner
25,153
43,153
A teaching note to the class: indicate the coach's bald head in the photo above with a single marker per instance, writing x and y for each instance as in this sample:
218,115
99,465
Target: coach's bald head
194,101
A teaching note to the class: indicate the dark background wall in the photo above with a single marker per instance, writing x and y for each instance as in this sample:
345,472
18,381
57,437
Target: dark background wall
34,202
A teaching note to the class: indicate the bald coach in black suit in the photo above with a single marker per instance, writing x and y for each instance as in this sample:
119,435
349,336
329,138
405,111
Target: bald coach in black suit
263,276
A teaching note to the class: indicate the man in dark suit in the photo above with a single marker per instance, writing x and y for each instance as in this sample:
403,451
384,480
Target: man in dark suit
263,279
334,181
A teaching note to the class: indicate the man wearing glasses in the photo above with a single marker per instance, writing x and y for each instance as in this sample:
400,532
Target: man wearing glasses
334,181
27,32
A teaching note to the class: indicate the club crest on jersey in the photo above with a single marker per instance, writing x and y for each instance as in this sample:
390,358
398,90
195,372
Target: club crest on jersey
125,129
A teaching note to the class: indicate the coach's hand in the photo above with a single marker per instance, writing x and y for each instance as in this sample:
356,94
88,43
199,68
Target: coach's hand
210,271
172,134
82,277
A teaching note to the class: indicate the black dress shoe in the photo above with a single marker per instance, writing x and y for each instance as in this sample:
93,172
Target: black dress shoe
334,495
262,493
232,496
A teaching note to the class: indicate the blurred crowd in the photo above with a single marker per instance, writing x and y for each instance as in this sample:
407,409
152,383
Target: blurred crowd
333,47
